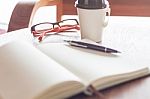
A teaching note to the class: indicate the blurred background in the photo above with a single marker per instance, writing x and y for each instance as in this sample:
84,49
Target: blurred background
118,7
48,13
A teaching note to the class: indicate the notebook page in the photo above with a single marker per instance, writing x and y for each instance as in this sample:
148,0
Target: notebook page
26,72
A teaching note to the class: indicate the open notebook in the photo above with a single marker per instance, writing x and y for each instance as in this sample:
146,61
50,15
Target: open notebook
56,71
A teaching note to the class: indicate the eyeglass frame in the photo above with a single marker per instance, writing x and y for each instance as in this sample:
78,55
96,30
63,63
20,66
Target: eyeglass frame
61,28
55,23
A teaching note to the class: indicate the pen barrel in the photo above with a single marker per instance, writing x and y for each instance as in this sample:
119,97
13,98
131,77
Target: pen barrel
98,48
102,49
94,47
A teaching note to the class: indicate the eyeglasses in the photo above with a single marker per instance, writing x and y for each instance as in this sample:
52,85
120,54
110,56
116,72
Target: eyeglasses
47,28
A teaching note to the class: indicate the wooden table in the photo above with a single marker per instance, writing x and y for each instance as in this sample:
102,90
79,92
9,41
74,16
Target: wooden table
122,31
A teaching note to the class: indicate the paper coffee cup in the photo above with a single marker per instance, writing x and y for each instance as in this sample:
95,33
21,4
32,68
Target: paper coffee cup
92,18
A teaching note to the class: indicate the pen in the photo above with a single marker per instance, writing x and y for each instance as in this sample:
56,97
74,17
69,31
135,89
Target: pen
92,46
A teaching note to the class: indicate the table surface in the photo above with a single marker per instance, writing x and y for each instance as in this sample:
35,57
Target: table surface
132,32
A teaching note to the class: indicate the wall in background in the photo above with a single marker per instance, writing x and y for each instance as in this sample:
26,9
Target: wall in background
68,7
118,7
6,8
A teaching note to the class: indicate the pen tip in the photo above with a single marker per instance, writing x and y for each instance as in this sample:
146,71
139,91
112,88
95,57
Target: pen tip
115,51
118,52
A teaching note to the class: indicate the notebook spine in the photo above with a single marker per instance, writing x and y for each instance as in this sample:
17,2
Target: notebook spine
91,90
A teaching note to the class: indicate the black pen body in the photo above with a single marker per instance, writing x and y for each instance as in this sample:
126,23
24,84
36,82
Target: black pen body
102,49
93,47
